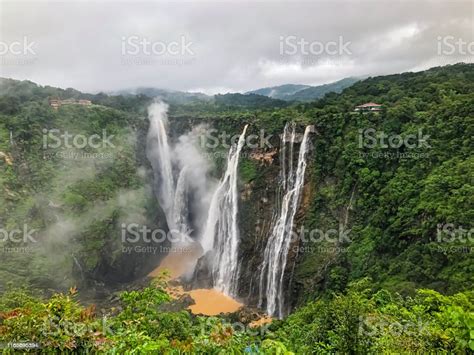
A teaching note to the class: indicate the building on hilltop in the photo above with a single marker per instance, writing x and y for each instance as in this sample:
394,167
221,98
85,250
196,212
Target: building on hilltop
369,107
56,103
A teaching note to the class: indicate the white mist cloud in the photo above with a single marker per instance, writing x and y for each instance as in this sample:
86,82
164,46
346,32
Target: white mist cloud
186,201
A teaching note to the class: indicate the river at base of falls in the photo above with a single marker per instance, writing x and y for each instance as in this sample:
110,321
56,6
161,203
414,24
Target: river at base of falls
209,302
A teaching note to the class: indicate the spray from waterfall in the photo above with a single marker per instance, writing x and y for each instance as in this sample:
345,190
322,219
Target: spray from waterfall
278,244
182,186
221,235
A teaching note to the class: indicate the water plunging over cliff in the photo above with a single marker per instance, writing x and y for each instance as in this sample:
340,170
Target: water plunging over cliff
183,189
180,203
179,174
182,186
278,244
159,155
221,234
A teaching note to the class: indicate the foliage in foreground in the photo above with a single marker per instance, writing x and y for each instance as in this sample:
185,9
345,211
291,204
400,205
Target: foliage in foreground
359,321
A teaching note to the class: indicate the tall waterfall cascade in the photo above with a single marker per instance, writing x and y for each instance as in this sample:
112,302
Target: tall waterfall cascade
278,244
221,234
175,168
159,155
182,183
171,174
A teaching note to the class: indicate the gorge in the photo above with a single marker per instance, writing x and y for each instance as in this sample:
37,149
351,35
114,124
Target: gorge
220,237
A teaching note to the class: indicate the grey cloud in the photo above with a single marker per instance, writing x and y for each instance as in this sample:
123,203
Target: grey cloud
236,45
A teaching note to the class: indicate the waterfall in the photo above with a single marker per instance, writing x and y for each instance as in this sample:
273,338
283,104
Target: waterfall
159,155
179,171
221,234
180,205
187,196
78,265
278,244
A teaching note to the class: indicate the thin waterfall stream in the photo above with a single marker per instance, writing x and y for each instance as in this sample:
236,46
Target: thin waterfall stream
221,234
278,244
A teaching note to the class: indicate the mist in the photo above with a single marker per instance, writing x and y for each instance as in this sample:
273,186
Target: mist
182,185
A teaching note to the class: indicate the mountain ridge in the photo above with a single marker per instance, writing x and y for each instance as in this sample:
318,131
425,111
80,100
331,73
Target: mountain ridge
300,92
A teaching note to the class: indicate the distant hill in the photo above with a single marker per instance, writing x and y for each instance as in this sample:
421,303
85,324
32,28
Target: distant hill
287,92
248,101
171,96
281,92
292,92
316,92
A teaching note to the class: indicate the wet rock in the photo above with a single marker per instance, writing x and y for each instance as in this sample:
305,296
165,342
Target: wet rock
202,277
246,315
176,305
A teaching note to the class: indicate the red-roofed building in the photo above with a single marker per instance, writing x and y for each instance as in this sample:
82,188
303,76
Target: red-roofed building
370,106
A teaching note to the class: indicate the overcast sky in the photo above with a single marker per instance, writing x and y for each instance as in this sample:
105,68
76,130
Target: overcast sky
226,46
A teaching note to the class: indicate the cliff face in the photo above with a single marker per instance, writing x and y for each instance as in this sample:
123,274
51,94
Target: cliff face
124,259
257,211
259,205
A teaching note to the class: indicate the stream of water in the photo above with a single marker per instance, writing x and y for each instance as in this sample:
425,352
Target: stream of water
278,244
221,234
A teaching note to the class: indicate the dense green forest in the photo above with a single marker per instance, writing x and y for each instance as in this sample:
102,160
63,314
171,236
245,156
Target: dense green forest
399,182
